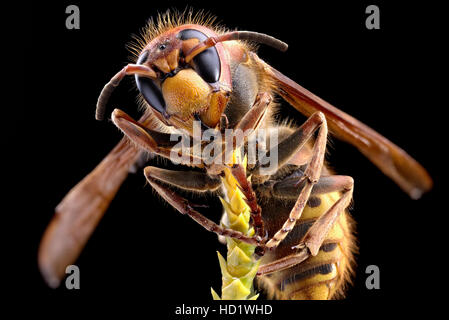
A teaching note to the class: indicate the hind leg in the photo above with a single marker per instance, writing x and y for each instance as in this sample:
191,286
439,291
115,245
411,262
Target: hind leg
313,239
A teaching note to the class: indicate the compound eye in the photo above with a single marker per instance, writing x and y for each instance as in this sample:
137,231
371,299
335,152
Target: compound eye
143,57
149,90
207,63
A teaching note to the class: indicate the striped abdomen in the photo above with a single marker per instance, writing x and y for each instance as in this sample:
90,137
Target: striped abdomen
317,278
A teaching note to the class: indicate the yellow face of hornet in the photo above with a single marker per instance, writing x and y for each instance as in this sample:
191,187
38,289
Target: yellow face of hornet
185,94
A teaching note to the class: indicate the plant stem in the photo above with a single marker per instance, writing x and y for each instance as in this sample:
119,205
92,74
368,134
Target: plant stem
239,269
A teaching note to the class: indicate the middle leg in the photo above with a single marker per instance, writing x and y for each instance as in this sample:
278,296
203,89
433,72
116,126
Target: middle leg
310,177
184,207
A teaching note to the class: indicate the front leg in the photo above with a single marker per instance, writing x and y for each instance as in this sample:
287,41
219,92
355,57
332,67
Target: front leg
247,124
150,140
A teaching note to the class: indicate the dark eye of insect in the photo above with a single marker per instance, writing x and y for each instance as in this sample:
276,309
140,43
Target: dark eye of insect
143,57
207,63
162,46
149,90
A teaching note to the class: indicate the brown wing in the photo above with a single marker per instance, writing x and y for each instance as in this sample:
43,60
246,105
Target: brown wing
80,212
83,207
389,158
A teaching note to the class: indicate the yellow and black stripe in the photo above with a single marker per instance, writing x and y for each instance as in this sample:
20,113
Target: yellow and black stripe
320,277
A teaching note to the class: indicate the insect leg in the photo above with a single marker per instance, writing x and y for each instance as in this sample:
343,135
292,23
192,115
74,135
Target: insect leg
250,121
187,180
311,175
147,139
291,145
184,207
250,197
313,239
290,187
256,114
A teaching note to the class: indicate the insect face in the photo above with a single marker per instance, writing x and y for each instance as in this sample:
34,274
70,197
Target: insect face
184,89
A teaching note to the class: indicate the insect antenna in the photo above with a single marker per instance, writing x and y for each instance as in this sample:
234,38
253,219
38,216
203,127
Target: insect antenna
237,35
130,69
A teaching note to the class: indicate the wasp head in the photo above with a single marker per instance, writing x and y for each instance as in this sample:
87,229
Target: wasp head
184,74
188,85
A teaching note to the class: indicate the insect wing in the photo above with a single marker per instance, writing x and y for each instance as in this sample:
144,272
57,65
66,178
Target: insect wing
389,158
81,210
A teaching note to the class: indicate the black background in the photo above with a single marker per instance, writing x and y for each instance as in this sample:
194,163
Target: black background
144,250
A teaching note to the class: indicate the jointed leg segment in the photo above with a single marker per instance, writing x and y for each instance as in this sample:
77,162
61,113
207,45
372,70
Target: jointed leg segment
187,180
291,145
147,139
184,207
239,174
313,239
311,175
